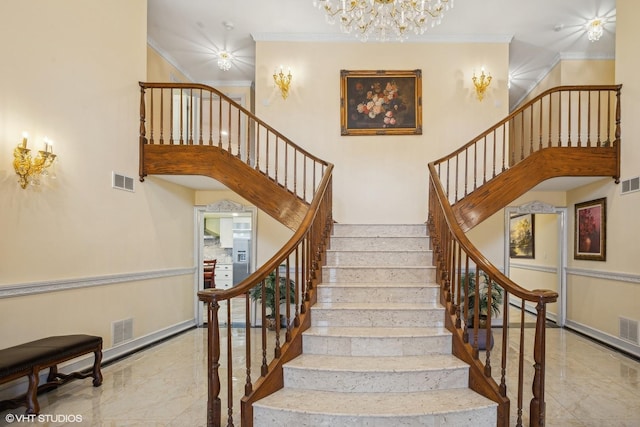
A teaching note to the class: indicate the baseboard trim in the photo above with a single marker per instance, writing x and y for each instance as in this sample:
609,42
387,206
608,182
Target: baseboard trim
604,338
110,355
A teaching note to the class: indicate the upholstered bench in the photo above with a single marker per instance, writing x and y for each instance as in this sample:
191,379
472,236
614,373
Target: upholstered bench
29,358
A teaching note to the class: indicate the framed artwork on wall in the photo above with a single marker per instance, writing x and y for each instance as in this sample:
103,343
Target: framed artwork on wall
590,234
522,236
381,102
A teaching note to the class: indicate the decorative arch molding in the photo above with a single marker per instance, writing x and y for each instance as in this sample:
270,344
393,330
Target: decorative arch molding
536,207
225,206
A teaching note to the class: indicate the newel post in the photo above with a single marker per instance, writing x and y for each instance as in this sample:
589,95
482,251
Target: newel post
537,408
143,134
214,408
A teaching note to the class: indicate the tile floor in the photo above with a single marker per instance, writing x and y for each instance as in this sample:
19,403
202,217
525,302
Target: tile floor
165,385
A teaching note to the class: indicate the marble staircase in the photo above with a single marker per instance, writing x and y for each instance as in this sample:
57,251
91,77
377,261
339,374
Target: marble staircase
377,352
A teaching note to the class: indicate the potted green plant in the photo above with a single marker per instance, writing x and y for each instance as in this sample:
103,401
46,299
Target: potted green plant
270,296
483,297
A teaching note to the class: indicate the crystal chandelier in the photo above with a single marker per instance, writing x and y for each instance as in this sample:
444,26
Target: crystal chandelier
595,28
224,60
384,19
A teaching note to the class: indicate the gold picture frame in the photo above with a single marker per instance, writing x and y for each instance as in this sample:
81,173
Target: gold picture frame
381,102
522,240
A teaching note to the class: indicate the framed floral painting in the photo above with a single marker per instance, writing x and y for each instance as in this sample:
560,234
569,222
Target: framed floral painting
590,235
381,102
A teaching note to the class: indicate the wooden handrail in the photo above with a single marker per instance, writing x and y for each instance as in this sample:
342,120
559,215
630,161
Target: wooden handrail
195,129
578,121
174,116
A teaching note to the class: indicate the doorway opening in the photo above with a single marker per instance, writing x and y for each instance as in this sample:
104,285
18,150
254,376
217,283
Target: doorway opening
544,264
225,238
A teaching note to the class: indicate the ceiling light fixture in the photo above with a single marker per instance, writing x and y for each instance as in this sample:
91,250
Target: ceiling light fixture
595,29
224,60
384,18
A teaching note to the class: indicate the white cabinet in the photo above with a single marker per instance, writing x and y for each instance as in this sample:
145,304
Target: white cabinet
226,232
223,276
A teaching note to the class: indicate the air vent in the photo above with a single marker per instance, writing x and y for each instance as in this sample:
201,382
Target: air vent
122,331
630,185
629,330
122,182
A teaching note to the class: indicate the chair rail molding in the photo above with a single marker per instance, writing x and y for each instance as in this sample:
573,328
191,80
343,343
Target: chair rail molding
33,288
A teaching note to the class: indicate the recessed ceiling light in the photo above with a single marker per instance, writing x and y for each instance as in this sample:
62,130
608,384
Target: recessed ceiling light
228,25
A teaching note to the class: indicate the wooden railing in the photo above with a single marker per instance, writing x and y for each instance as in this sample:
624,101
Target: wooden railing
288,278
195,129
578,119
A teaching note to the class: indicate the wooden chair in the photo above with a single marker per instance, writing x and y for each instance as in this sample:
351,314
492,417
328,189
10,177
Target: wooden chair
208,273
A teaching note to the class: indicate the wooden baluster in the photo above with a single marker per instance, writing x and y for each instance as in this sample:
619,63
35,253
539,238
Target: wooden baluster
214,408
493,175
550,121
210,118
219,121
504,147
458,288
229,130
161,116
484,160
229,365
537,408
522,137
248,386
200,131
239,154
531,129
151,116
505,343
487,331
277,351
559,119
298,287
475,165
579,117
265,366
540,126
599,103
521,367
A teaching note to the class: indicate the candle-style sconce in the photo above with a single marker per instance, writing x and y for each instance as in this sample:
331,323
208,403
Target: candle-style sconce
28,169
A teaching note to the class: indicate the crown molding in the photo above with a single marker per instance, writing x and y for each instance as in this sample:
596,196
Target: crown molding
350,38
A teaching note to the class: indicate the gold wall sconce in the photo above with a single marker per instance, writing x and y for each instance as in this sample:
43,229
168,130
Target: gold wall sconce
282,81
595,29
481,83
28,169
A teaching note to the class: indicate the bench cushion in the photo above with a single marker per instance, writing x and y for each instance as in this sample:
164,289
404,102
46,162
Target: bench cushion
44,351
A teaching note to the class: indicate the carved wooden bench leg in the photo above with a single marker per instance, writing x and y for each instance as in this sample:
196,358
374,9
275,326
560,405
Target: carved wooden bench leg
33,407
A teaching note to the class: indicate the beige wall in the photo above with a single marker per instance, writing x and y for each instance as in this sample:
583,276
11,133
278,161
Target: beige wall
380,179
70,75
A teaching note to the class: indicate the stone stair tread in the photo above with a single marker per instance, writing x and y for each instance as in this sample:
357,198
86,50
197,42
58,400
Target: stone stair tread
369,332
376,404
376,306
395,364
377,285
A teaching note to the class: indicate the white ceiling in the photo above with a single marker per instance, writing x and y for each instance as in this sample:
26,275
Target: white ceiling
190,33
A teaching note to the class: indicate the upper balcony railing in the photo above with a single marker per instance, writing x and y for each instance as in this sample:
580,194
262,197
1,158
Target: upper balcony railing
510,369
179,114
566,116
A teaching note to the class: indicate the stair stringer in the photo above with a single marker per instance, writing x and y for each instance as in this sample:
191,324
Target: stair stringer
492,196
214,162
